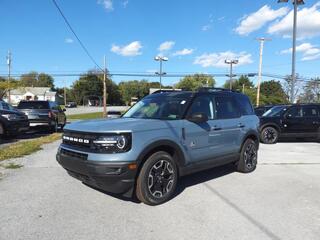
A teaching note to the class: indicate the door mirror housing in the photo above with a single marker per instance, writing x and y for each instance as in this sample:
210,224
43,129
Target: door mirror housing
198,118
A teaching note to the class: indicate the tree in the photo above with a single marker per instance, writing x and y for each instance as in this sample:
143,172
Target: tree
287,87
238,84
5,86
135,88
91,84
193,82
34,79
273,92
311,92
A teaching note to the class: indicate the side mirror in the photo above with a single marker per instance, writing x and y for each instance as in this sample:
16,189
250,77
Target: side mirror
198,118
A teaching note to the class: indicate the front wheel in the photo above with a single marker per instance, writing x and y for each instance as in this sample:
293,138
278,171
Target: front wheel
157,180
248,156
269,135
54,127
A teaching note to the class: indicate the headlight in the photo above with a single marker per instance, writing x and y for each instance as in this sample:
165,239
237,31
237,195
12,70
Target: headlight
10,116
114,143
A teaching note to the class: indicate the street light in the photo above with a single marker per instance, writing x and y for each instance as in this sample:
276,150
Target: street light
294,37
160,59
231,62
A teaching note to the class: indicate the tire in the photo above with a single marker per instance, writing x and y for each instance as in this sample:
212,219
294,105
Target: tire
248,157
269,135
157,180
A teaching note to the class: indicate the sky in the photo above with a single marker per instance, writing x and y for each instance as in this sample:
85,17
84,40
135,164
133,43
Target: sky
196,36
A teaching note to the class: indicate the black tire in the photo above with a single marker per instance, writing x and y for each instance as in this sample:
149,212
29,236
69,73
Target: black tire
248,157
2,131
157,180
269,135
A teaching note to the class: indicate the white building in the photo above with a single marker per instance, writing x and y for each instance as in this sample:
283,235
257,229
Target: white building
33,93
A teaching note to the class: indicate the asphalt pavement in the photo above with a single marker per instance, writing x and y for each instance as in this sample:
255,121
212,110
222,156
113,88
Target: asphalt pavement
280,200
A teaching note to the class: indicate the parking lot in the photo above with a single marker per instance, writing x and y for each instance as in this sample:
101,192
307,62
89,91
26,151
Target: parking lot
280,200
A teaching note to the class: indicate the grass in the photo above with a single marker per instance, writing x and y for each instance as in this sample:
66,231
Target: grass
24,148
85,116
12,166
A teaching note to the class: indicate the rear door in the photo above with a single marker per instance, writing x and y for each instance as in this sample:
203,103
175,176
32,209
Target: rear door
293,124
228,114
311,120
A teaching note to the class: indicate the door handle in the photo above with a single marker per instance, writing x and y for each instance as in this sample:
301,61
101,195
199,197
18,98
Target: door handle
240,125
215,128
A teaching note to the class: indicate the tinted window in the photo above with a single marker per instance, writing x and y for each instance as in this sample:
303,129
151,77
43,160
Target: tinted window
294,112
5,106
203,104
226,108
275,111
33,105
310,111
245,104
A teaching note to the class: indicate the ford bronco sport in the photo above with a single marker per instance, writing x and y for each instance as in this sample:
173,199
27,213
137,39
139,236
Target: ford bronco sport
164,136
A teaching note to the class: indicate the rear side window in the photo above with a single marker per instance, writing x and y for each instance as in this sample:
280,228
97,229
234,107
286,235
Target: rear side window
226,107
33,105
310,111
245,105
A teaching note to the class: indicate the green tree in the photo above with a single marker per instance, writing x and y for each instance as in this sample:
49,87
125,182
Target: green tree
135,88
34,79
238,84
273,91
5,86
193,82
91,84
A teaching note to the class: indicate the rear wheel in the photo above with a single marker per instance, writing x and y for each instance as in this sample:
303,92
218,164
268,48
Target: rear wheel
157,179
269,135
248,156
54,127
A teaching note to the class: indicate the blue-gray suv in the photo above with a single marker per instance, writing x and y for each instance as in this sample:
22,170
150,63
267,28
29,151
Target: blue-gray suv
164,136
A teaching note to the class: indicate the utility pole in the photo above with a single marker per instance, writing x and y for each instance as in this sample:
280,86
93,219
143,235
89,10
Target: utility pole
294,38
160,59
231,62
65,93
243,85
9,75
262,40
104,88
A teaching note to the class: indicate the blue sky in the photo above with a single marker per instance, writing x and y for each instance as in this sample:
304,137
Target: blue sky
196,36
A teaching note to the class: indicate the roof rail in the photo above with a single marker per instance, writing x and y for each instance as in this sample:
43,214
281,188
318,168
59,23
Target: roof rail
165,90
213,89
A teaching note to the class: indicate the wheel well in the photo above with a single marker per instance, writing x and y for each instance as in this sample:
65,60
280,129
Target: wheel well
270,125
250,136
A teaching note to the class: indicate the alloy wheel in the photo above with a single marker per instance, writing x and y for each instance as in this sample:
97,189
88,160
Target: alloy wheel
250,156
161,179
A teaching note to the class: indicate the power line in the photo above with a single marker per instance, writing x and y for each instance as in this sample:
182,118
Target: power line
74,33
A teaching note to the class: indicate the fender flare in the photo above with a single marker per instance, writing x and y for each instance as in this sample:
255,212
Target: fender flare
180,158
270,124
250,133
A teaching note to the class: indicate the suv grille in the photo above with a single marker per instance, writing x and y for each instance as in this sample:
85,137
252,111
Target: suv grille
73,154
77,139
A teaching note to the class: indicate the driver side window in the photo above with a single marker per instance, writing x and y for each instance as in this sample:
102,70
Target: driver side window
294,112
203,104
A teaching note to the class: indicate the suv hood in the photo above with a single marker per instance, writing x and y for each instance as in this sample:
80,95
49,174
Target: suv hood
117,125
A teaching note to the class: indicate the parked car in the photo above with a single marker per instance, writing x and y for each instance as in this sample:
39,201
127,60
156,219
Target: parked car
71,105
12,121
44,114
259,111
161,138
290,121
114,114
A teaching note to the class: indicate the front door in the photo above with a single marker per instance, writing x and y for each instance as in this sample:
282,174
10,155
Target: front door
293,124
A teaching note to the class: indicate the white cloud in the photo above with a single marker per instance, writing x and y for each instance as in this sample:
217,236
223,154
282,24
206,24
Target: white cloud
107,4
217,59
183,52
125,3
257,20
309,51
308,23
165,46
132,49
68,40
206,27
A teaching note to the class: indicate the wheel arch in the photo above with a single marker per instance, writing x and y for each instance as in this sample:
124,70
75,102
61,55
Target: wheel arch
250,135
168,146
270,125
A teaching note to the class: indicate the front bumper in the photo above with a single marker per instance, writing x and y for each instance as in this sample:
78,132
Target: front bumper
16,127
113,177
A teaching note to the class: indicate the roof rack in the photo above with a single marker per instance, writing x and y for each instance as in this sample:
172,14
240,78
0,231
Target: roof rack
213,89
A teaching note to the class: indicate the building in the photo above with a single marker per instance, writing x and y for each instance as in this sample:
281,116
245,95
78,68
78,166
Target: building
34,93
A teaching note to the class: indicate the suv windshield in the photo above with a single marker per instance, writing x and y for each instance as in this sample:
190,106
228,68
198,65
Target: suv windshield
33,105
275,111
159,107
